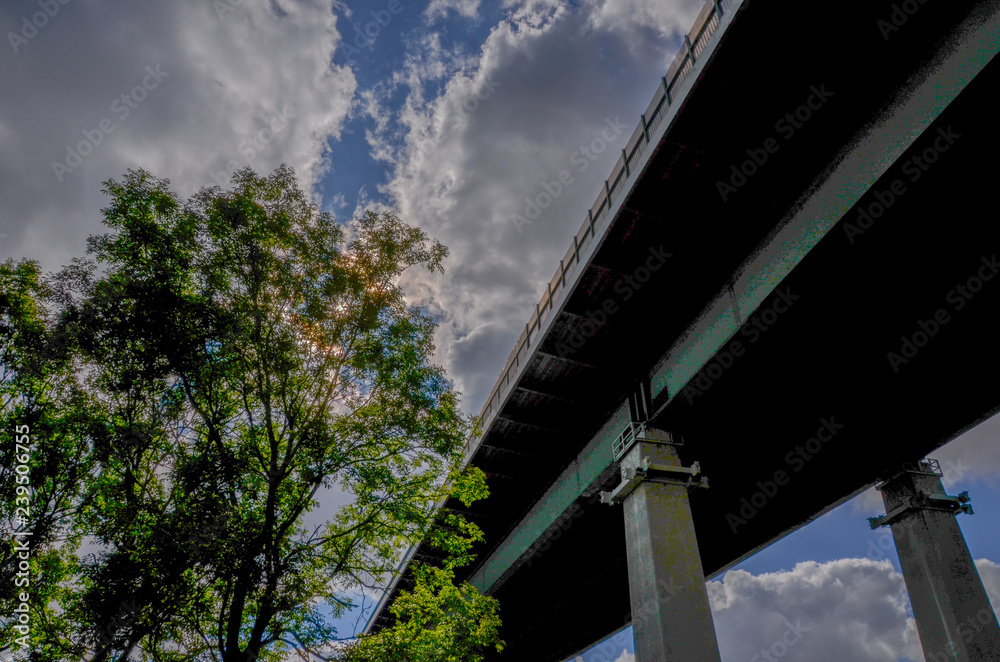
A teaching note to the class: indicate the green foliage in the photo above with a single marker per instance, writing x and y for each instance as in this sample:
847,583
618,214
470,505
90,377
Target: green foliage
439,621
435,622
193,387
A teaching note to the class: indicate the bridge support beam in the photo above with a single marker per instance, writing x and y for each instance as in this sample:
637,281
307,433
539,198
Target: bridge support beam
953,614
671,617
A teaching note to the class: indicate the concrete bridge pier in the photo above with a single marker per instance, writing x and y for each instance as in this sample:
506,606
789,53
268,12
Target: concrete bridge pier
954,618
671,618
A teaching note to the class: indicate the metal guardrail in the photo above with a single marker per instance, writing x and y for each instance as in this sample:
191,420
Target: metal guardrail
594,226
623,441
933,466
694,45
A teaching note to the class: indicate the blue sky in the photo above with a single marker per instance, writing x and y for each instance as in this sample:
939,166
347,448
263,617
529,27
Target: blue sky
452,113
843,577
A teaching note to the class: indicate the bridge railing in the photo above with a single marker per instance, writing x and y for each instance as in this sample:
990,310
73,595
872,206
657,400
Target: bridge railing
599,216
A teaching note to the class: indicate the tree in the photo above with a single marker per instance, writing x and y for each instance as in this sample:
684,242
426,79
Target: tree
230,360
437,621
39,391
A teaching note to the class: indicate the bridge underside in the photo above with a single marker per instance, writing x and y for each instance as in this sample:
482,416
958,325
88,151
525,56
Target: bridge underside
824,357
827,355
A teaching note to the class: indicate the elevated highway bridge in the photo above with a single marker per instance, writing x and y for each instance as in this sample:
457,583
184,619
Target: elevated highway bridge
793,270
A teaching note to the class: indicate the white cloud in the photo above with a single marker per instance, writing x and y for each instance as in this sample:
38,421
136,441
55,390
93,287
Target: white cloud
868,502
659,19
479,132
466,8
990,574
972,457
217,106
849,609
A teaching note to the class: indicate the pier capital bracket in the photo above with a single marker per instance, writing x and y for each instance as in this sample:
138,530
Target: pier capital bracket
648,454
920,499
941,502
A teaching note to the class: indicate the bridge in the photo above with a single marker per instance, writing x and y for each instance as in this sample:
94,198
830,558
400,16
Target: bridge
785,292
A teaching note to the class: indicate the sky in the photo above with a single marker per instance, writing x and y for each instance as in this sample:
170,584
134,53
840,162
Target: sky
833,588
451,113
